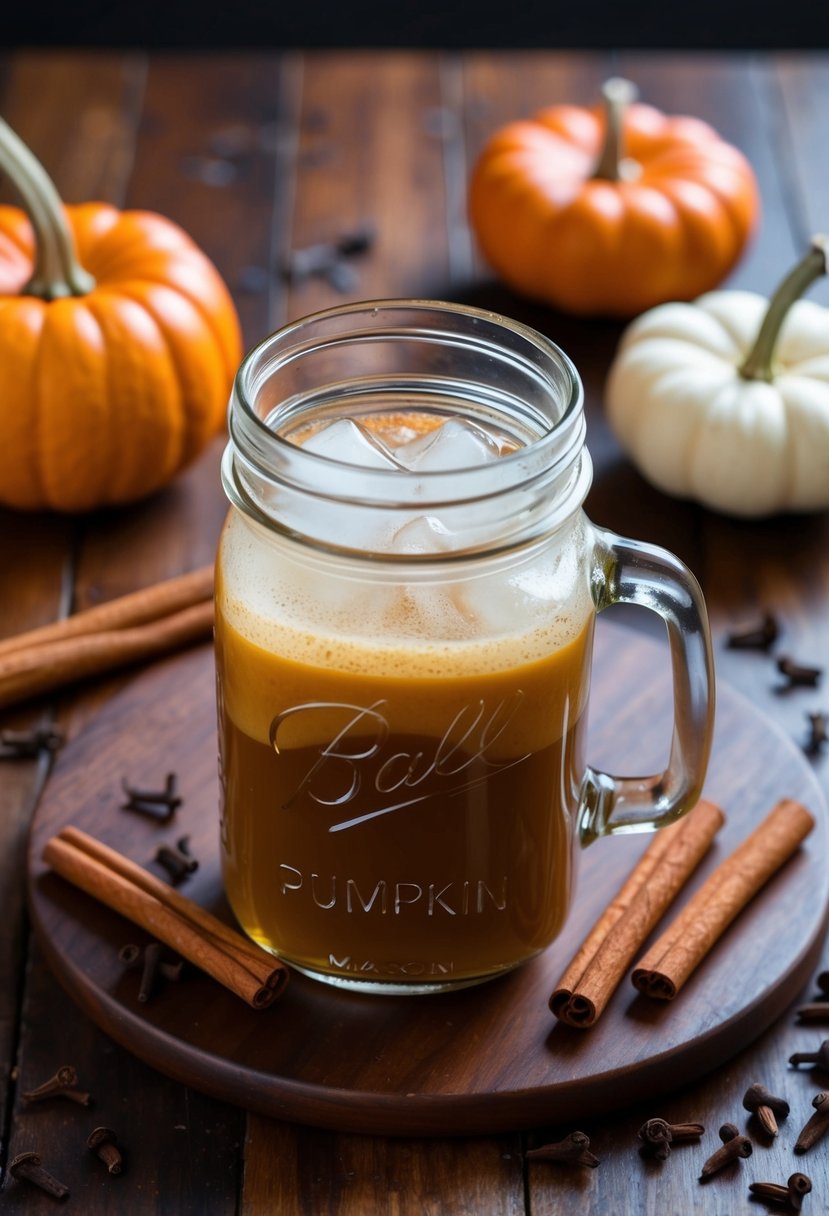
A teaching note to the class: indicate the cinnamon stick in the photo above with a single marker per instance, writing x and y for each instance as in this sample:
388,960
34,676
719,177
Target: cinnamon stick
159,919
162,599
673,958
270,972
42,667
606,953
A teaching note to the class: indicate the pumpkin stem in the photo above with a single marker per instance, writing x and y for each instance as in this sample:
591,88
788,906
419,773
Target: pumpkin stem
612,166
758,363
57,271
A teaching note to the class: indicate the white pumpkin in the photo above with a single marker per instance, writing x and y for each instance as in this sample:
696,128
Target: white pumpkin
726,400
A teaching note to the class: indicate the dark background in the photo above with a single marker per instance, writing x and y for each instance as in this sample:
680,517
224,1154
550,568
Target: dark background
702,24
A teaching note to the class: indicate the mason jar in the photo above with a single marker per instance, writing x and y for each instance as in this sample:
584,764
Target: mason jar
406,590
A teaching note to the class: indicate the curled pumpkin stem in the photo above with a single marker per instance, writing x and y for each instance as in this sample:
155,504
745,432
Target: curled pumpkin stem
612,165
57,271
758,364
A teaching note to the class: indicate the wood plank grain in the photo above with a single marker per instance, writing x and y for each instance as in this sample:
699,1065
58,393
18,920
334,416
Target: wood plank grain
77,112
746,567
753,564
783,563
370,155
215,156
180,1149
210,157
802,90
205,158
302,1172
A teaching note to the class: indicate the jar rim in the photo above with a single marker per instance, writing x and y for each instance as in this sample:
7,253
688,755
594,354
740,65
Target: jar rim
551,454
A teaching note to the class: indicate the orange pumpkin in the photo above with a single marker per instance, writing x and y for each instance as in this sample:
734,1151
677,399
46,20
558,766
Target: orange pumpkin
118,345
612,211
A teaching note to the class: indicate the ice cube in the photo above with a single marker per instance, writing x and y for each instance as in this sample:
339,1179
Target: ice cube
321,514
455,444
423,534
348,441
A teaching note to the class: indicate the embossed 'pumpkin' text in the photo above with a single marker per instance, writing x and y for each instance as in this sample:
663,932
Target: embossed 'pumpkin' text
471,897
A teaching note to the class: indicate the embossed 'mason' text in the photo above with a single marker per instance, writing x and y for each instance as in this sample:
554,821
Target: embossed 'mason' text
385,967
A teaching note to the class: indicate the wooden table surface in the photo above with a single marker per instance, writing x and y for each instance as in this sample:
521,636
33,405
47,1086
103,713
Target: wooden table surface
256,155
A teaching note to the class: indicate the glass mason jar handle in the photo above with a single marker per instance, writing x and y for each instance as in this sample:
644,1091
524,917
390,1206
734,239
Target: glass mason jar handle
630,572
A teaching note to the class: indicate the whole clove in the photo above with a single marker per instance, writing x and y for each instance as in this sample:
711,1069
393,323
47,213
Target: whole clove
253,280
183,846
798,674
28,744
27,1166
131,956
818,733
817,1125
356,242
657,1135
171,971
149,973
572,1150
179,862
62,1085
815,1011
341,276
792,1193
210,170
103,1143
152,963
160,805
765,1107
734,1146
327,259
818,1059
232,141
756,637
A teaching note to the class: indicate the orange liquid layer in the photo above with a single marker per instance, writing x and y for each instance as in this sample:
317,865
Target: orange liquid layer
384,827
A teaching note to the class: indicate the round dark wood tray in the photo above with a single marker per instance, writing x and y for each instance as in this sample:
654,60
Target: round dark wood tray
481,1060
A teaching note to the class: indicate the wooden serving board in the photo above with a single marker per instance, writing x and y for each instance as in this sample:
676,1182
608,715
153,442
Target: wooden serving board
482,1060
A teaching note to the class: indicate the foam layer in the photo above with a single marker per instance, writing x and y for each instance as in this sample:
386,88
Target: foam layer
421,630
